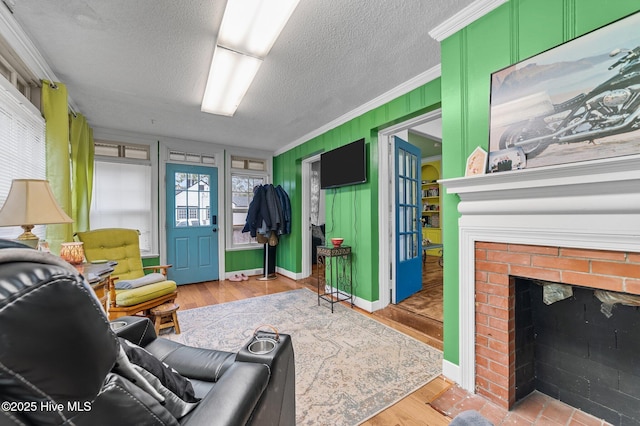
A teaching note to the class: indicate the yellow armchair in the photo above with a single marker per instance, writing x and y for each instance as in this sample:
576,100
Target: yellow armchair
122,245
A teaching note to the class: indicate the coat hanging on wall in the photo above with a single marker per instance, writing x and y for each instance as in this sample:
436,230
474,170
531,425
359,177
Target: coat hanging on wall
269,214
268,218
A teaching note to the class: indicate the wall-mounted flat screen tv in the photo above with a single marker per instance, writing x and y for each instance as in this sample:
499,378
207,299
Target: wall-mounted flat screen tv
346,165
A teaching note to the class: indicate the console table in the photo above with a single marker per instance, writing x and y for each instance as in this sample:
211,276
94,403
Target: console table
334,275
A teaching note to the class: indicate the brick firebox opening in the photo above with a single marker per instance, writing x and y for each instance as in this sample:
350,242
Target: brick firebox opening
497,265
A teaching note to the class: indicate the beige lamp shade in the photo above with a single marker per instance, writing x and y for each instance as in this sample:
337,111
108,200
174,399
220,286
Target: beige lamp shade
31,202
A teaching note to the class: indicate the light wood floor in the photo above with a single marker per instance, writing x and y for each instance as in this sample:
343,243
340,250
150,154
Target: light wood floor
415,409
423,311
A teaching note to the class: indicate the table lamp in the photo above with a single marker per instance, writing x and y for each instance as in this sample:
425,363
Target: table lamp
31,202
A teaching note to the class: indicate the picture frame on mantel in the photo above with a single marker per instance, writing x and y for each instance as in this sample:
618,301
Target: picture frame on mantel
476,163
578,101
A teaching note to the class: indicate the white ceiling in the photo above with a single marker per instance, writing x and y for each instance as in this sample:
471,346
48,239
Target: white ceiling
141,65
431,129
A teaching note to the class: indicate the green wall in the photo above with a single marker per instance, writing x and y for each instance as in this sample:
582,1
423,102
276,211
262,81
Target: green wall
150,261
242,260
352,211
513,32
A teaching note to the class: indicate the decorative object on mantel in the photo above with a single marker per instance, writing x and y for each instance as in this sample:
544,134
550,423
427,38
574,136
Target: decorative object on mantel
572,103
31,202
476,163
507,159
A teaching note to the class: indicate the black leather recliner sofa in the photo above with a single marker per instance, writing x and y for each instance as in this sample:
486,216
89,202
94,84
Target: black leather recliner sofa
61,362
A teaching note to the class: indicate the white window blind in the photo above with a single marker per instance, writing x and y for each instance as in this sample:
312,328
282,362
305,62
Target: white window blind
22,146
243,175
122,199
241,196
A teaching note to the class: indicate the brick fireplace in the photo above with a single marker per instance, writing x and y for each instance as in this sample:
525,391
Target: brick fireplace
496,266
577,224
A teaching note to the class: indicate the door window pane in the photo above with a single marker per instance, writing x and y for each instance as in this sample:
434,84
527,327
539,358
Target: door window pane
192,199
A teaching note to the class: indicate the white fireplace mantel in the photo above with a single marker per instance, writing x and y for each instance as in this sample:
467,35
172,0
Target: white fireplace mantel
569,189
592,205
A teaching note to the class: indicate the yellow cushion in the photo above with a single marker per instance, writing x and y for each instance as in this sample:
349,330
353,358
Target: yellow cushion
144,293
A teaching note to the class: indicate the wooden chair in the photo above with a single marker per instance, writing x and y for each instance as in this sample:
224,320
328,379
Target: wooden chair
122,245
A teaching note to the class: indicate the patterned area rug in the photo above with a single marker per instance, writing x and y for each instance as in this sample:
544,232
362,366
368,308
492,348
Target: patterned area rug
348,366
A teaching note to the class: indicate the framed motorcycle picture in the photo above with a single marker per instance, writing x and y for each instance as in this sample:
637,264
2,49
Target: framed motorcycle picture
578,101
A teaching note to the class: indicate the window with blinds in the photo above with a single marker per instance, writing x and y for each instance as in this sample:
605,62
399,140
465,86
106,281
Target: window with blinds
246,174
22,146
122,199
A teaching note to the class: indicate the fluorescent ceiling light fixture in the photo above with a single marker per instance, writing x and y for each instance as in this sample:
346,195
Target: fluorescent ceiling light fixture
248,31
230,76
253,26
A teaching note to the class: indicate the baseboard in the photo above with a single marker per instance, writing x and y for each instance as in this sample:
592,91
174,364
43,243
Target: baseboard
366,305
451,371
360,303
293,275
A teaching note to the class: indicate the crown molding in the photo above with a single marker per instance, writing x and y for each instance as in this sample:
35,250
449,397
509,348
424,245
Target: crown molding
404,88
23,47
469,14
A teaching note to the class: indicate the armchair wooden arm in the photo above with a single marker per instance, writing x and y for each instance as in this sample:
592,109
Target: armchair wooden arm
157,268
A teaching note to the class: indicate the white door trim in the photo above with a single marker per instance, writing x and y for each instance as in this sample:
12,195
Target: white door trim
386,203
305,223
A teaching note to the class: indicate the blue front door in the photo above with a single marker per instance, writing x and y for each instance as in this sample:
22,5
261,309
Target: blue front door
408,225
192,223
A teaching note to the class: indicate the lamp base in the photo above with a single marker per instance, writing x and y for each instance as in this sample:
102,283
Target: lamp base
27,237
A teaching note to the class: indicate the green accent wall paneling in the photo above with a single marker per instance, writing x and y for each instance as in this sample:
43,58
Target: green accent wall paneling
242,260
512,32
150,261
351,211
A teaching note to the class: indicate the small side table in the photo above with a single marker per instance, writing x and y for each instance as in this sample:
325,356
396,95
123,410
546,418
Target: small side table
98,277
335,275
166,316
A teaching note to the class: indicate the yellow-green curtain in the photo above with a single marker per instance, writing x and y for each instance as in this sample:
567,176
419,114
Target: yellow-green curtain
82,151
55,109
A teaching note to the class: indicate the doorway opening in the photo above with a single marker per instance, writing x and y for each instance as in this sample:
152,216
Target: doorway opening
313,214
423,310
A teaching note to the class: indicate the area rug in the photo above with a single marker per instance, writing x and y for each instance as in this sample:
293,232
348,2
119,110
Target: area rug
348,366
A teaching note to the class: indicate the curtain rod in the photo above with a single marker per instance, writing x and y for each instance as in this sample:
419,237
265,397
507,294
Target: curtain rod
72,110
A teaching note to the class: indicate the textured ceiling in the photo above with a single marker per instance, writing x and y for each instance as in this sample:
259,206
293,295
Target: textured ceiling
141,66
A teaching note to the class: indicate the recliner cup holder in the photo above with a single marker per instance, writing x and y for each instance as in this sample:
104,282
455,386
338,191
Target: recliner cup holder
115,325
261,345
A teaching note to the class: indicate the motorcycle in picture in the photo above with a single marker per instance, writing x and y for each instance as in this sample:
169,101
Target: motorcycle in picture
610,108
